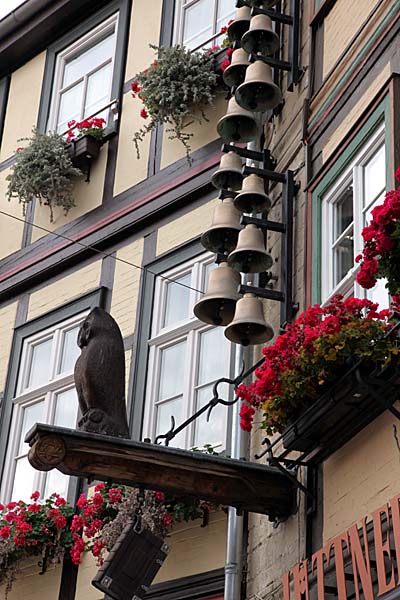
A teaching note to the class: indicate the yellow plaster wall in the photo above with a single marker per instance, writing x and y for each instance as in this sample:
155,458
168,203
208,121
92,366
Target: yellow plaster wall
130,169
362,475
195,549
354,114
185,227
340,25
23,104
87,570
126,286
203,133
144,30
57,293
87,195
11,229
29,585
7,320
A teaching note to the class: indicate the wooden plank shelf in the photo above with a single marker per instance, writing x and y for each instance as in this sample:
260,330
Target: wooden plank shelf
244,485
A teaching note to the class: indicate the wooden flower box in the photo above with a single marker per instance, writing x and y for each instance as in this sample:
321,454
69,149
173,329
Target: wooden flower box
349,405
84,150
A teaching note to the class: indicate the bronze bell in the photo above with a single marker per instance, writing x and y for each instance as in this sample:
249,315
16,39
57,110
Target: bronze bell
258,91
238,125
217,306
225,226
240,24
229,174
260,37
249,325
235,73
252,198
250,255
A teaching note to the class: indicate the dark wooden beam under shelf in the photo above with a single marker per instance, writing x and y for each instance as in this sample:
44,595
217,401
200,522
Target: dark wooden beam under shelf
244,485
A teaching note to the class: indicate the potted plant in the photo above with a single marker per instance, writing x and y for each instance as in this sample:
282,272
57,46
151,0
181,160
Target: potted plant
380,257
175,90
85,139
43,170
322,379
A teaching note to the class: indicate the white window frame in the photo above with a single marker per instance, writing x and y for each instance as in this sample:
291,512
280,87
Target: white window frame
27,396
180,7
353,174
189,329
85,42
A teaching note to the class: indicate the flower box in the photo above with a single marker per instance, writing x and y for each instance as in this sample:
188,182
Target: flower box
349,405
84,150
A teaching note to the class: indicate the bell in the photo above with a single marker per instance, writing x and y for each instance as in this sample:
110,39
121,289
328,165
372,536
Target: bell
240,24
252,198
260,37
235,73
229,174
238,125
225,226
250,255
217,306
258,92
249,325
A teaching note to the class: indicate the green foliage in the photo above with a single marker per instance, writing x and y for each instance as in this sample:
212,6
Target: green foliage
43,170
174,90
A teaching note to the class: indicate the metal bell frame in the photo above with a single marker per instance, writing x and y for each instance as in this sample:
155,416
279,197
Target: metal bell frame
285,228
293,20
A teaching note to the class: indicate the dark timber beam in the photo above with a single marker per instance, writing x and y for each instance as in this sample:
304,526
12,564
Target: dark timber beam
244,485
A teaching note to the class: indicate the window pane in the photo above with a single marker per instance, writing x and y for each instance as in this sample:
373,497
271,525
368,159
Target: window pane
70,106
70,350
39,370
374,176
214,355
207,270
379,294
343,256
177,301
343,211
66,409
225,12
88,60
164,413
197,23
98,91
172,370
32,414
56,482
23,480
211,432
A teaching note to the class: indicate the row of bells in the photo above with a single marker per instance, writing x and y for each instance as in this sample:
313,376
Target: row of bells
255,89
244,247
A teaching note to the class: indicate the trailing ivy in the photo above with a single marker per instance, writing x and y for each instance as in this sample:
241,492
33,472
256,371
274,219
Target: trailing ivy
43,170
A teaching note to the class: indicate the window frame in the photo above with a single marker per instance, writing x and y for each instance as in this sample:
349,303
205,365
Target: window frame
163,264
22,333
73,37
180,7
190,331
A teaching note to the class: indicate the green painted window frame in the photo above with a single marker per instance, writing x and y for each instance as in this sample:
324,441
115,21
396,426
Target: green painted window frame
378,117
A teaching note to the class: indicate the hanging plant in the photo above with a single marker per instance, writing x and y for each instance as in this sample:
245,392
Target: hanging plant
380,258
309,356
43,170
174,90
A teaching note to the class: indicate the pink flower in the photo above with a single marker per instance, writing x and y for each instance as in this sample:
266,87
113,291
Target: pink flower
135,87
82,501
225,64
60,522
397,174
35,496
11,505
144,114
60,501
97,499
115,495
77,523
5,532
99,487
159,496
34,507
167,520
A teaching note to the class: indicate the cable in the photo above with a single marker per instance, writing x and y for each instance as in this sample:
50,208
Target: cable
105,254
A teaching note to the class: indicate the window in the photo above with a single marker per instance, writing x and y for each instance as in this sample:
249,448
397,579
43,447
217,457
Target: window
198,20
45,393
83,76
185,359
346,209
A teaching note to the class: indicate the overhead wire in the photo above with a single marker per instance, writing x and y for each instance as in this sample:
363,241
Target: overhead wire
98,251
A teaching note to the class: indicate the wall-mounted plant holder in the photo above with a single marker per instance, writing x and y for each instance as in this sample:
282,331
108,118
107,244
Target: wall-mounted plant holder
83,151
